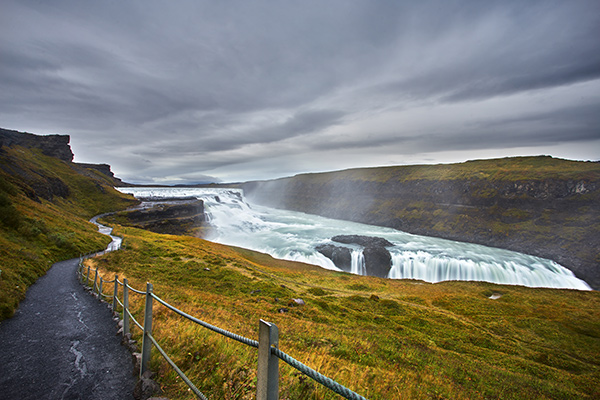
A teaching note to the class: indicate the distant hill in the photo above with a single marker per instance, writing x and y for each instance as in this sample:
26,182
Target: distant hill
536,205
45,203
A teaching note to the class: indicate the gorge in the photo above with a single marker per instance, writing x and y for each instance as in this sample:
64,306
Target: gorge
298,237
542,206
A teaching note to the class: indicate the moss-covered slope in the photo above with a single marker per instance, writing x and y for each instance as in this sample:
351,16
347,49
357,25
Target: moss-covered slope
383,338
537,205
45,204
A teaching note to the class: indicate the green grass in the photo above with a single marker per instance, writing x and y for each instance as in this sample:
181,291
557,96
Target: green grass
382,338
35,232
502,169
542,206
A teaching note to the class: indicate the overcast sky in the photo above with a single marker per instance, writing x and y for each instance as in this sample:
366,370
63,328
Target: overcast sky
189,91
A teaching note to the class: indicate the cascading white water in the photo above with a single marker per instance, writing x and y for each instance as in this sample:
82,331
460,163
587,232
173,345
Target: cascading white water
358,262
293,236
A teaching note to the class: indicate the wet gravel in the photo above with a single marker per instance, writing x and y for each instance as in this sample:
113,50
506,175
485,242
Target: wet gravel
62,344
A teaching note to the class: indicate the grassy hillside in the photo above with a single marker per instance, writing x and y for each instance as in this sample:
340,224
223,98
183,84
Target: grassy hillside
385,339
45,204
536,205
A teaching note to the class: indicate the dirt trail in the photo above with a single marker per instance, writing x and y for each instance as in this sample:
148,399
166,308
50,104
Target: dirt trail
62,344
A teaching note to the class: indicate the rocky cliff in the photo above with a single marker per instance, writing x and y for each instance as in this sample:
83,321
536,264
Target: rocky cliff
536,205
51,145
54,146
377,259
105,170
45,204
174,217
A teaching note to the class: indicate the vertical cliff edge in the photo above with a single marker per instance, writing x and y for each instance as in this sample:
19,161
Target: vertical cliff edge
541,206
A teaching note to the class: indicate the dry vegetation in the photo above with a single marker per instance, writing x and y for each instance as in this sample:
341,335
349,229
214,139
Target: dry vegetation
39,227
385,339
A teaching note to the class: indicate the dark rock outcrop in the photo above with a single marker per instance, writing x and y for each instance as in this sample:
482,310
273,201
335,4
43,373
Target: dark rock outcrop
146,387
92,170
378,260
54,146
35,183
340,256
103,169
169,211
49,187
181,218
50,145
365,241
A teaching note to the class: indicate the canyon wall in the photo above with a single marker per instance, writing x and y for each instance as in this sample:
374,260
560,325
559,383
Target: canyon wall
536,205
51,145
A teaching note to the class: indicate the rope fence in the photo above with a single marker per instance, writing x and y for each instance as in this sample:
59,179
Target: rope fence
268,352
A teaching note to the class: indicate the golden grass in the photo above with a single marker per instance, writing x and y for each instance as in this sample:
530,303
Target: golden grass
35,232
385,339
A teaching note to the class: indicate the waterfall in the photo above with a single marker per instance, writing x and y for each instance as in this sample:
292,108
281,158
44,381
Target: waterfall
293,236
358,262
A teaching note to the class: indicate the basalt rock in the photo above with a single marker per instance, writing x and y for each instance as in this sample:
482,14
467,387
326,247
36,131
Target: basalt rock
182,218
50,145
378,260
169,211
340,256
146,387
365,241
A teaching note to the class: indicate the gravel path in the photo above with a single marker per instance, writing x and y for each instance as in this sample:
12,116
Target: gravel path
62,344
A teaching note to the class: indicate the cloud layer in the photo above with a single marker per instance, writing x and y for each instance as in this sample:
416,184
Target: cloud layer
199,90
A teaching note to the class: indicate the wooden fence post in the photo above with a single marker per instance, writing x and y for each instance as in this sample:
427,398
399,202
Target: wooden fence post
87,277
267,384
147,343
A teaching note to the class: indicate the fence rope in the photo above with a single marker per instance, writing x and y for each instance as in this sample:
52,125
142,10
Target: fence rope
136,291
119,301
242,339
176,368
134,320
311,373
322,379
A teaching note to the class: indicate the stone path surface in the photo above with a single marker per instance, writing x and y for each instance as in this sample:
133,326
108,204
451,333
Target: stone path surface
62,344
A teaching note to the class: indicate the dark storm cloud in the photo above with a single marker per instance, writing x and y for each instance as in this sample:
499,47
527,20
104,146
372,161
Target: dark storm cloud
163,90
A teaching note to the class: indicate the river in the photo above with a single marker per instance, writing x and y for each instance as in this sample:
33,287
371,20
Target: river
293,236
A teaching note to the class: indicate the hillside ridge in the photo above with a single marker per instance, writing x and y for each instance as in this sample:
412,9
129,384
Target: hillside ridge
46,201
541,206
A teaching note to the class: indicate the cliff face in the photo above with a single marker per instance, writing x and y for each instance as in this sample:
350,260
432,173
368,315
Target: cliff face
45,203
56,146
102,168
182,217
536,205
105,170
51,145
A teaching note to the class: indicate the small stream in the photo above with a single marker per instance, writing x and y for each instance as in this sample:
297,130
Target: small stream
107,230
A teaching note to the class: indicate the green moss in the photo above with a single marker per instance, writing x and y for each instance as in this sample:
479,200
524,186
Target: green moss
448,338
36,232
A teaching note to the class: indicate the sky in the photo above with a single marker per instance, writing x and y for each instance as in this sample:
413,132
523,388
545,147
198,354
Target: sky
189,91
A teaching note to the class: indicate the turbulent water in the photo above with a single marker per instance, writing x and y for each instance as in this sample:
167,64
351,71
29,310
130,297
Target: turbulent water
293,236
